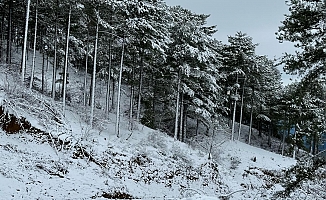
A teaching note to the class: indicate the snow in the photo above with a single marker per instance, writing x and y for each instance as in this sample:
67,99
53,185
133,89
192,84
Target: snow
33,169
73,161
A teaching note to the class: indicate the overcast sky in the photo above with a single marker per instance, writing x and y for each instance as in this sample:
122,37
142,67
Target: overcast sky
258,18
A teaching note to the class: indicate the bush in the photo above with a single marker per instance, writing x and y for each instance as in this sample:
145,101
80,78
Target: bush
179,154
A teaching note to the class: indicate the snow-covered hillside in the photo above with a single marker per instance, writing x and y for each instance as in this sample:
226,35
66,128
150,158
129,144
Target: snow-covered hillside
146,165
61,157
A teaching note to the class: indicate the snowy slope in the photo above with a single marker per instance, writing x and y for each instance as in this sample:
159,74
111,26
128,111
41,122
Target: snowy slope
66,159
143,163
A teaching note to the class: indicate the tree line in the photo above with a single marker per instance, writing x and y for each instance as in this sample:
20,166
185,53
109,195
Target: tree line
179,75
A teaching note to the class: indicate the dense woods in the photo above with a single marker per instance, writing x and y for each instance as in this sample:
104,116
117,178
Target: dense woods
180,77
143,63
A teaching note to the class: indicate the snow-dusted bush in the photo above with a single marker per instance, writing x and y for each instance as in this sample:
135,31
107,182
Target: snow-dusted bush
10,79
140,159
235,161
304,178
157,140
180,155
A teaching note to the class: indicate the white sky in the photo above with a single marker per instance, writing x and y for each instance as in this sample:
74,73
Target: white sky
258,18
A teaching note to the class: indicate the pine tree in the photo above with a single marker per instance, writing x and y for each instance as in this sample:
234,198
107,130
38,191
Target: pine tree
193,66
303,26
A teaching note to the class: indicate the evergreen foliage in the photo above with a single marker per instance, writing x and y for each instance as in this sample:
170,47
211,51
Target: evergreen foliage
178,73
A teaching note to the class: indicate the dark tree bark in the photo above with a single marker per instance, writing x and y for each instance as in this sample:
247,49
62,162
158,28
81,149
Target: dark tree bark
54,72
108,91
140,89
9,33
184,122
43,73
2,33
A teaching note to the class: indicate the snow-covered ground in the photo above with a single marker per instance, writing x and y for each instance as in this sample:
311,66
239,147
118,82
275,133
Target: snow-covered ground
147,165
63,158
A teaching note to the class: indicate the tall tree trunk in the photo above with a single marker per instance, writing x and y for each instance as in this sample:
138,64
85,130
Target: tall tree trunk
86,68
113,107
23,67
94,76
140,89
90,91
43,73
9,36
316,145
234,111
311,145
117,125
251,114
241,111
294,142
47,62
64,84
34,49
270,130
153,101
184,122
233,120
131,104
54,72
2,34
181,118
108,91
283,143
260,124
16,36
176,124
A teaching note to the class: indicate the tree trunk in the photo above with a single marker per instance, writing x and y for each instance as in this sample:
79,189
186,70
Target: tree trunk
153,101
139,90
113,94
260,124
64,84
184,123
47,62
86,68
117,125
34,49
294,142
131,104
23,67
181,118
241,111
311,145
270,134
90,91
251,113
54,72
283,143
43,73
234,111
176,124
9,36
16,36
316,145
233,120
108,91
2,34
94,76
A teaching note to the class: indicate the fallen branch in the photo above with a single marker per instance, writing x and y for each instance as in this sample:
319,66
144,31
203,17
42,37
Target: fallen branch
230,194
194,190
